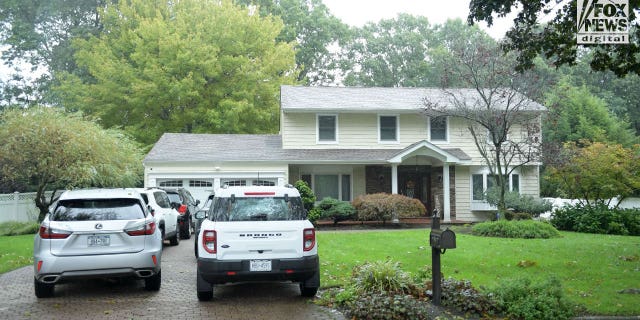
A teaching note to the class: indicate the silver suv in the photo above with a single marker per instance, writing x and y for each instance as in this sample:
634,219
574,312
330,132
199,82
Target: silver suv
97,233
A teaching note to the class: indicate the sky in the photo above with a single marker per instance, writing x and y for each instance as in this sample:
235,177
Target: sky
359,12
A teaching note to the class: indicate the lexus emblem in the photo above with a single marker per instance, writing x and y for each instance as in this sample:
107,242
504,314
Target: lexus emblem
98,225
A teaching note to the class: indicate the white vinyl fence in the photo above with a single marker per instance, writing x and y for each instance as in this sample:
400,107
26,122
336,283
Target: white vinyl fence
18,207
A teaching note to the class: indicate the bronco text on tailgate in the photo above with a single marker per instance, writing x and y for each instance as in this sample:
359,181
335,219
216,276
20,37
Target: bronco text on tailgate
255,234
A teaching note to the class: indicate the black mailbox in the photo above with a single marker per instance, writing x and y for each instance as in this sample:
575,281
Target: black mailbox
442,239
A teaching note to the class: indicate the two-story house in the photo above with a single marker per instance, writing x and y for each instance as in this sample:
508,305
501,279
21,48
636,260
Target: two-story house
344,142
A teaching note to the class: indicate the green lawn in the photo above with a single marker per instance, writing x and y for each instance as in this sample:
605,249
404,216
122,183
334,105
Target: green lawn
592,268
15,252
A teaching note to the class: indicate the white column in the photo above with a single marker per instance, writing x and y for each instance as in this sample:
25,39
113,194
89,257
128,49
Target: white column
394,178
447,194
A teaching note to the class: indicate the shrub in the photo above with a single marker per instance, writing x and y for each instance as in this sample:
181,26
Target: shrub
519,203
15,228
384,207
597,218
384,306
307,195
314,215
380,276
463,297
526,229
522,299
336,210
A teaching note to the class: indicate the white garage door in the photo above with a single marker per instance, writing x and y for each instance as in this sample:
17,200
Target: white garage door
200,189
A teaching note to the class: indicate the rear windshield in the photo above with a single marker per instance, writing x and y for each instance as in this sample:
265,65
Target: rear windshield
98,209
257,209
174,197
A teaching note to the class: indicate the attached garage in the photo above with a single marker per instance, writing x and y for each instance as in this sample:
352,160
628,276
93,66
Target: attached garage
210,161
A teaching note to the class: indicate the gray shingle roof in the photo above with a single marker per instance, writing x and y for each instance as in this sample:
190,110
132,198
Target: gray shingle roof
361,99
188,147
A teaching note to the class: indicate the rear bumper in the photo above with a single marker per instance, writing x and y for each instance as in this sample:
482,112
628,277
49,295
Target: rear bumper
216,271
55,269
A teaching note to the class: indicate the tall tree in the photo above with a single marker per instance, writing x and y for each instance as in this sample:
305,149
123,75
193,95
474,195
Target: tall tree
390,53
46,149
314,29
575,115
185,66
502,119
557,39
37,37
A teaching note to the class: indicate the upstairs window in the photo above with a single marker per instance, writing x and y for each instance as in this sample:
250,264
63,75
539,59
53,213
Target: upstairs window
327,128
438,127
388,128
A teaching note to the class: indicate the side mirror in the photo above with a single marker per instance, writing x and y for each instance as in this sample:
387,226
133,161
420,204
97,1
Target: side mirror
201,214
175,205
153,212
197,202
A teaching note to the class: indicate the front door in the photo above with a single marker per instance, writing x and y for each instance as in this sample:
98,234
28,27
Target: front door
415,182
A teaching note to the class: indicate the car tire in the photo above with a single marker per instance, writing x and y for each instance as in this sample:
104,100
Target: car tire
43,290
153,283
175,240
195,247
185,233
307,291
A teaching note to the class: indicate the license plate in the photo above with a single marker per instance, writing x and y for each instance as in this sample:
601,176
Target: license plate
98,241
260,265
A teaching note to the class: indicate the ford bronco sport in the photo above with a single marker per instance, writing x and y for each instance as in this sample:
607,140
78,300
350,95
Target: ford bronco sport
257,233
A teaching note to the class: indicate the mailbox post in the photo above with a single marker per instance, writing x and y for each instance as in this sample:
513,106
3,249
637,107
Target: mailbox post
440,241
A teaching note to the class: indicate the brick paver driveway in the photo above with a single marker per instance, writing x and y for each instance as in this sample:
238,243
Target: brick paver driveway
127,299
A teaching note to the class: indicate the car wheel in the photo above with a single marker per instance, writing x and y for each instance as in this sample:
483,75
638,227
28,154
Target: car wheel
307,291
153,283
186,230
43,290
175,240
205,295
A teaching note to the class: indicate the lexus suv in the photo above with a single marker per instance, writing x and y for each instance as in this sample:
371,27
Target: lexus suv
97,233
257,233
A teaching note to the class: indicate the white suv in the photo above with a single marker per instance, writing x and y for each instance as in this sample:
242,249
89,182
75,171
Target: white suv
255,234
165,214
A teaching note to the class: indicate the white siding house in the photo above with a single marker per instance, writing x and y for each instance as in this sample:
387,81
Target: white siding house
344,142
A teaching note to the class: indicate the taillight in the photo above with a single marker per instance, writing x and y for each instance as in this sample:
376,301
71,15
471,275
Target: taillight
182,209
210,241
309,239
145,229
47,233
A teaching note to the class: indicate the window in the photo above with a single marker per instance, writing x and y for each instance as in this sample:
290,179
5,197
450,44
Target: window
483,182
263,183
478,186
326,185
438,126
200,183
162,199
346,187
336,186
327,127
515,183
388,128
235,183
170,183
